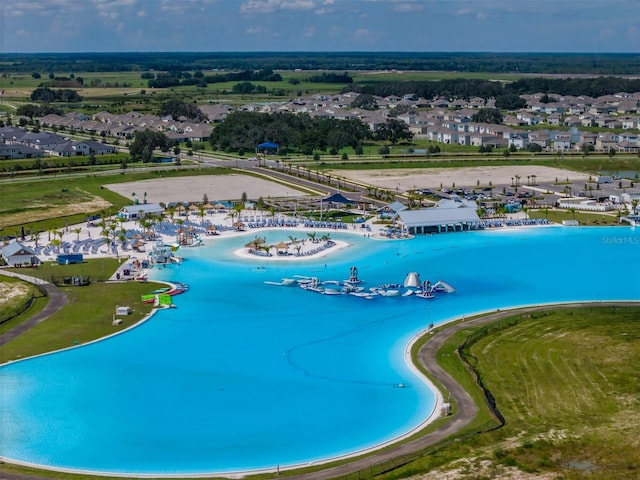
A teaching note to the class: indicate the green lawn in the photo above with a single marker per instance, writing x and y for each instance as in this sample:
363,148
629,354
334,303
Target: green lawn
567,382
585,218
89,312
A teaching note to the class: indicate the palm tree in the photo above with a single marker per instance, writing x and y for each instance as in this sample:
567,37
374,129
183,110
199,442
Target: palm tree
201,213
77,231
171,210
312,236
56,243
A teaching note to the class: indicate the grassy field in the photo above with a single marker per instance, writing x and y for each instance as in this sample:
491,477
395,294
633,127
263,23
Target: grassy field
43,204
89,312
568,385
585,218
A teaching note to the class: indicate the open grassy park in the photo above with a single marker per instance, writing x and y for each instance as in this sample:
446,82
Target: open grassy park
89,312
566,382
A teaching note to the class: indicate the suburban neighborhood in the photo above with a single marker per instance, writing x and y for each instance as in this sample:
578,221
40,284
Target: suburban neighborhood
439,120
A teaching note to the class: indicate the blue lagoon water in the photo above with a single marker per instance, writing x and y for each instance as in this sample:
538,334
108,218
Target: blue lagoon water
244,375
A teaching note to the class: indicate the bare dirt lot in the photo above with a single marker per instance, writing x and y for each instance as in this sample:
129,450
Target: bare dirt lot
432,178
43,212
193,189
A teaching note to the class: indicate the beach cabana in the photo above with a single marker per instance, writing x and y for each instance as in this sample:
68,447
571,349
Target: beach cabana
282,247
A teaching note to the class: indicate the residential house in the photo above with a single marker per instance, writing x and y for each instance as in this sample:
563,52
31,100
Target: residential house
562,141
606,141
15,152
540,138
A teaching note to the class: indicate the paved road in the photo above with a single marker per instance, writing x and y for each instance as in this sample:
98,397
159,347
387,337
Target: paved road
57,300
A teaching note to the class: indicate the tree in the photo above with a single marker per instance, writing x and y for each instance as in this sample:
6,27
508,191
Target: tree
384,150
145,142
488,115
534,148
36,75
178,108
510,101
587,148
394,130
366,101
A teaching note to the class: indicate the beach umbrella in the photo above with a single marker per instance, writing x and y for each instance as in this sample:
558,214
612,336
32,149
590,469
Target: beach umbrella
211,228
282,246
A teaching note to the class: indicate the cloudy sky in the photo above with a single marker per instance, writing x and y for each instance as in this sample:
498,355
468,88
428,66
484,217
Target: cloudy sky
320,25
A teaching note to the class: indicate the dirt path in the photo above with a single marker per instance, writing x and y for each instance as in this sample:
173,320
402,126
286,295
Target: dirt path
57,300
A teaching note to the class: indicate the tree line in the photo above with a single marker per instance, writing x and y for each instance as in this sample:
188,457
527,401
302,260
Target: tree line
574,63
507,93
243,131
47,95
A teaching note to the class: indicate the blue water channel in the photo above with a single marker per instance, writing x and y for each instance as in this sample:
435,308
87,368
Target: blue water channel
243,375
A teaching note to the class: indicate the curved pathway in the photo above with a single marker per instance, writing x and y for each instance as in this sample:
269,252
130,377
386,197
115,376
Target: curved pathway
57,300
466,408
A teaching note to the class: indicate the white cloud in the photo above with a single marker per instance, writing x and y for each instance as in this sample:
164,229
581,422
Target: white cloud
408,7
254,31
310,32
463,11
271,6
468,12
364,35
